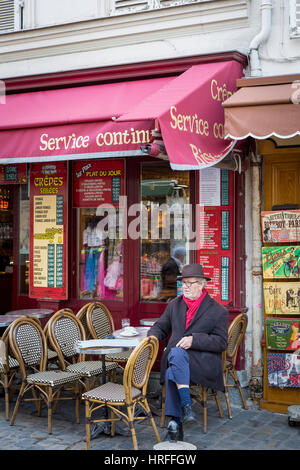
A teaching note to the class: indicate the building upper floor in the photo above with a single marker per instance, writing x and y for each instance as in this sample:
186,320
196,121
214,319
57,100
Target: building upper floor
43,37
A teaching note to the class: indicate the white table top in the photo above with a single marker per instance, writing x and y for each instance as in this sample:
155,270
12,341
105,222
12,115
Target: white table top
148,321
142,330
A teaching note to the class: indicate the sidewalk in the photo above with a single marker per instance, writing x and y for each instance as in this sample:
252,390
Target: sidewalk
252,429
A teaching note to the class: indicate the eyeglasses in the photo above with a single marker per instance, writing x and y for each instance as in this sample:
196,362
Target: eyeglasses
189,284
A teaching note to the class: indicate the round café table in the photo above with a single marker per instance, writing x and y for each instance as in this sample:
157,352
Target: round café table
142,333
27,312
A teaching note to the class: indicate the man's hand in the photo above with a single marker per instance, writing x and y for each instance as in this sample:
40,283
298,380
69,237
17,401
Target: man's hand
185,342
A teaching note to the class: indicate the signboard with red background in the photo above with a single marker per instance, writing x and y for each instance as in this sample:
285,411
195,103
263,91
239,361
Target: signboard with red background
98,182
215,241
48,230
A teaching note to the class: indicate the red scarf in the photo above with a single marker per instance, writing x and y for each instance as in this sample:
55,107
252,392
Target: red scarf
193,306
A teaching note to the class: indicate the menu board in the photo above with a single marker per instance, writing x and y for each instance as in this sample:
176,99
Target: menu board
215,236
283,370
280,262
97,182
280,226
282,298
48,230
283,333
13,174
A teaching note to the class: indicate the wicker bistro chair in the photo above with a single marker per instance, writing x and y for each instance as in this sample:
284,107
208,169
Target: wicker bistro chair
64,331
9,366
100,324
28,344
132,392
81,315
236,333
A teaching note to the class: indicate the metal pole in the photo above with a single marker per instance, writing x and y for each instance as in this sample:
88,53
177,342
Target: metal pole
256,382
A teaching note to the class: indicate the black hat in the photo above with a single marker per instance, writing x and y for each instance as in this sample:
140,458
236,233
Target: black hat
193,270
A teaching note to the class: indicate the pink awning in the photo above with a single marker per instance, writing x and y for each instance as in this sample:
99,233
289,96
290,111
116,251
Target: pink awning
116,119
190,114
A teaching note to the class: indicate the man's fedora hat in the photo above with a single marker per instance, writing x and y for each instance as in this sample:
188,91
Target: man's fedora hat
193,270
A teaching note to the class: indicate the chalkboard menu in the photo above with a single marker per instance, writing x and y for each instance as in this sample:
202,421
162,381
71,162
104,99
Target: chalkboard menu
48,230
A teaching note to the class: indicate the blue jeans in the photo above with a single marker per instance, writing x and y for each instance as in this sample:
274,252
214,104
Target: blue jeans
178,372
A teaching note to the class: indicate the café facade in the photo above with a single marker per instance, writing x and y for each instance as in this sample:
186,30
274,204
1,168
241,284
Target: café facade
100,187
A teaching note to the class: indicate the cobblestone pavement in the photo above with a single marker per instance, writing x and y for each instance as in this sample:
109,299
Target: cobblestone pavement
252,429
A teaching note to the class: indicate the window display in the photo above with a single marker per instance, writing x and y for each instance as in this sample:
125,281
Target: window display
24,240
101,258
164,246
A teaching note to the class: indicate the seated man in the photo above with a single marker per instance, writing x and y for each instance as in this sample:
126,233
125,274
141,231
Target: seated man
199,327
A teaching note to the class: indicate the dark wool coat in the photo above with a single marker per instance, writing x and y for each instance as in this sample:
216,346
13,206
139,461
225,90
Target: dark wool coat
209,328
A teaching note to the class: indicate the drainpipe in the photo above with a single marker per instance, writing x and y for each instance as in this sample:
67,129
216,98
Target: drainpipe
266,16
256,382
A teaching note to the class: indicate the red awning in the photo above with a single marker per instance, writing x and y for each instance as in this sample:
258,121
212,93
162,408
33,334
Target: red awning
190,114
116,119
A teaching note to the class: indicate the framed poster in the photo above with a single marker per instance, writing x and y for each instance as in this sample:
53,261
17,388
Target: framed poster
97,182
283,333
283,370
215,236
48,230
280,226
282,298
281,262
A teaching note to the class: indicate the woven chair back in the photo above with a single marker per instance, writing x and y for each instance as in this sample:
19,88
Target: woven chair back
236,333
28,344
64,331
139,365
99,320
81,315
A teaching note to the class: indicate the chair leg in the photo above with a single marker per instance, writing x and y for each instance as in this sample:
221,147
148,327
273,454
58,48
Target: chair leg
6,393
49,403
204,397
163,399
19,398
218,403
150,416
238,385
130,415
87,424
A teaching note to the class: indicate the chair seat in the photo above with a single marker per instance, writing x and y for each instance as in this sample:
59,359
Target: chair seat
12,362
109,392
121,356
89,368
53,377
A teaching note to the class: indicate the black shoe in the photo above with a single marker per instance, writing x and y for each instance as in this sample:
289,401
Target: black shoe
175,432
188,414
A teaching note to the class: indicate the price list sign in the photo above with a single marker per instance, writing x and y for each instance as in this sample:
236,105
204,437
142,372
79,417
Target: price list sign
48,230
98,182
214,221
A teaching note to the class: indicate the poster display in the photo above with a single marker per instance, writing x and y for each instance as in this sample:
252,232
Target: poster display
215,238
280,262
283,370
283,333
280,226
13,174
98,182
48,230
282,298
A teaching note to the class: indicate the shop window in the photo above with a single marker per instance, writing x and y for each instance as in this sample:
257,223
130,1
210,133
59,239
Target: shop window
164,244
24,240
101,256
